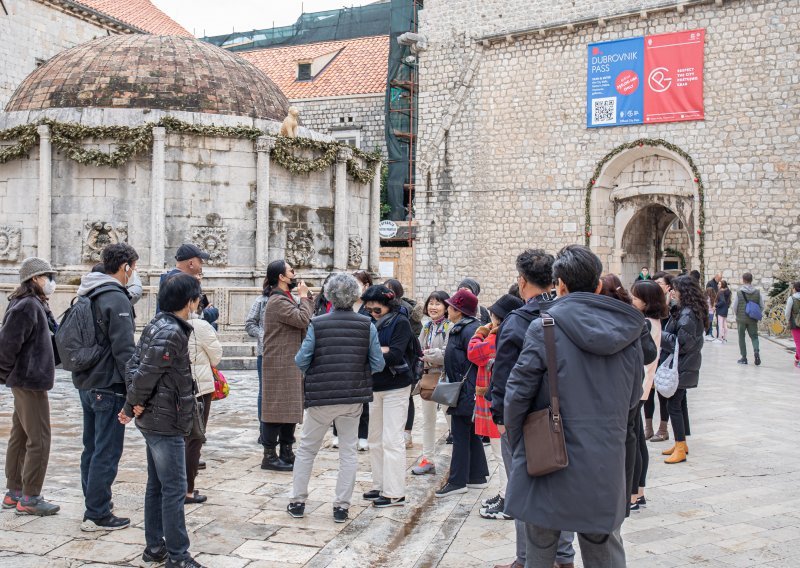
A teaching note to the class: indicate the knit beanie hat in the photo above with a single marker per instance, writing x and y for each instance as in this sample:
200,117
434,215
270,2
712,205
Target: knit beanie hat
33,267
472,284
505,305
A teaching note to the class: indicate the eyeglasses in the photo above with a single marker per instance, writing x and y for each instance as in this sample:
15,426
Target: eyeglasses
374,310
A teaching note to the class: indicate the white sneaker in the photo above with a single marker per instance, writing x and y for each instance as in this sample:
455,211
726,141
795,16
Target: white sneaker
363,445
335,442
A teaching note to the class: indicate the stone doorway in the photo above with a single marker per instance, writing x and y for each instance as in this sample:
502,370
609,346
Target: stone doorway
645,201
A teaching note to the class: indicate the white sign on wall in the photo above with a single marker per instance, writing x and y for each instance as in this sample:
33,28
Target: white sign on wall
386,269
387,229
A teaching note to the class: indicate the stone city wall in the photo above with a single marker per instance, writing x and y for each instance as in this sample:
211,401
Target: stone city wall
33,31
332,116
505,155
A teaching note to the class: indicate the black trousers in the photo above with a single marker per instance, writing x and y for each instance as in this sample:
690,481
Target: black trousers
410,416
276,433
679,414
650,406
363,423
468,463
642,456
193,447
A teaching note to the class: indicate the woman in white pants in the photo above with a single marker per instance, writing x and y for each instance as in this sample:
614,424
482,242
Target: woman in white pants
433,340
389,408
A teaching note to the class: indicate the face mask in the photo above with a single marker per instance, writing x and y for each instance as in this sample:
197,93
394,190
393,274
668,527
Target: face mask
49,288
292,283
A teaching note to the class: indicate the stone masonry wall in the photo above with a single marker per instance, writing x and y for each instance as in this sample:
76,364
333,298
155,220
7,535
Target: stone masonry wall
34,31
357,113
505,154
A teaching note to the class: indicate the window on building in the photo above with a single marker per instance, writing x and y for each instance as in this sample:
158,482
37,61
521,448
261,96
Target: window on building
304,71
349,137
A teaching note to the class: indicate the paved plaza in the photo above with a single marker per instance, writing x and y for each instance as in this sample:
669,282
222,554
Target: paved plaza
736,502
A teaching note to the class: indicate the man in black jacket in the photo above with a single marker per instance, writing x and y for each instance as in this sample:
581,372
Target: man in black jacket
102,387
338,356
535,281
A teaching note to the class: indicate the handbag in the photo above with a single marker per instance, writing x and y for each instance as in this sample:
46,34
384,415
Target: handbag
427,385
221,386
667,376
543,430
447,393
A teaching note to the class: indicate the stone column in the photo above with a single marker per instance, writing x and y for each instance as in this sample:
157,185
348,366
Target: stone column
374,221
264,144
44,236
157,209
341,230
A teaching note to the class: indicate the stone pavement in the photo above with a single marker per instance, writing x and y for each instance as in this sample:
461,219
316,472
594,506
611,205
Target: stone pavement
735,503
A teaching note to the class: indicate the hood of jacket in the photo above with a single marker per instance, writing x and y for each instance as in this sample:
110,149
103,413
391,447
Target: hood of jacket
796,295
94,280
596,324
747,289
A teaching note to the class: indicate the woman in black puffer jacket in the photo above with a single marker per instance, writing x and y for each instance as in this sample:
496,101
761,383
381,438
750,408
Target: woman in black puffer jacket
686,326
161,394
468,466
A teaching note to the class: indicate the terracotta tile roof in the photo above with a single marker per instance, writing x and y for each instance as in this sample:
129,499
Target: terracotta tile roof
360,67
140,13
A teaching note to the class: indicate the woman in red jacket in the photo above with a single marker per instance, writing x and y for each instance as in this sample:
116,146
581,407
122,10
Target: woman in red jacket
481,352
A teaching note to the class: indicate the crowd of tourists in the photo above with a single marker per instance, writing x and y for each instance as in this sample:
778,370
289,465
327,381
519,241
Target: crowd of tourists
358,357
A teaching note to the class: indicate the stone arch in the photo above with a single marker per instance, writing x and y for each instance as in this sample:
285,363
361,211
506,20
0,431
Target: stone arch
646,184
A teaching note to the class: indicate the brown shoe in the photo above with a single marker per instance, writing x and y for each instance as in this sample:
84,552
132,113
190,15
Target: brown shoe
662,435
514,564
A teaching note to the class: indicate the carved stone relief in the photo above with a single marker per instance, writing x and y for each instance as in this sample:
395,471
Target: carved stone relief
213,240
10,242
300,247
355,252
98,235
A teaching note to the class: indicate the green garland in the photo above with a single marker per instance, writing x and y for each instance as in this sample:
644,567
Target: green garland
675,252
131,141
655,143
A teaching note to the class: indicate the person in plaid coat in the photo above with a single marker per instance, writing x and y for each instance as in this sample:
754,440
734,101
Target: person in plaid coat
481,352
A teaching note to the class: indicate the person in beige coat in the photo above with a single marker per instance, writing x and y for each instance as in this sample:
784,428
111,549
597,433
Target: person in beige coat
205,351
285,324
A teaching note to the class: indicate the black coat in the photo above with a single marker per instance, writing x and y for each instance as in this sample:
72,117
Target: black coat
112,304
723,302
159,377
26,346
510,337
688,330
457,366
600,370
394,332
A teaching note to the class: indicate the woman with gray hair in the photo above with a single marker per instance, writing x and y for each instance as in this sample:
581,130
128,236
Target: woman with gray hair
338,356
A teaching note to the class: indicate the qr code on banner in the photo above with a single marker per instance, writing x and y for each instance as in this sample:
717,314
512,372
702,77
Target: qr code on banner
604,111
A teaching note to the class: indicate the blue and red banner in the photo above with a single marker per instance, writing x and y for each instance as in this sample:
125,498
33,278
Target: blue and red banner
650,79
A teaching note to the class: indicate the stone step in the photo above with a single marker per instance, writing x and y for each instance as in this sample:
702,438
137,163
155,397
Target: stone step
238,363
237,349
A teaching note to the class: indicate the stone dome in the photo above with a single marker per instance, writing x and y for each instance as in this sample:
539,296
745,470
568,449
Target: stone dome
154,72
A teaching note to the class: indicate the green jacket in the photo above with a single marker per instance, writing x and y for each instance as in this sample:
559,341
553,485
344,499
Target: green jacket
741,297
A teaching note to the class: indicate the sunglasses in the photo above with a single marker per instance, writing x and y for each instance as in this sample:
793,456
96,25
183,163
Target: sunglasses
374,310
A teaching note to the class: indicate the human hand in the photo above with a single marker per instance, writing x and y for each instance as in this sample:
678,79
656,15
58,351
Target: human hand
137,410
501,428
123,418
384,349
302,289
481,391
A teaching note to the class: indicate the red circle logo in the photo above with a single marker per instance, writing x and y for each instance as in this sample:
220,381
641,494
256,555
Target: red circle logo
627,82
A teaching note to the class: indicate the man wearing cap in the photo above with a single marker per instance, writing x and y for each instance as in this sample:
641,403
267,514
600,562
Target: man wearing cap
102,387
189,260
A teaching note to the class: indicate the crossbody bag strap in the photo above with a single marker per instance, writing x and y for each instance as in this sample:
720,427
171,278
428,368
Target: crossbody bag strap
548,325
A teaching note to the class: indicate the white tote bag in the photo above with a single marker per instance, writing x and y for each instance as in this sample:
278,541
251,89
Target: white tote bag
666,379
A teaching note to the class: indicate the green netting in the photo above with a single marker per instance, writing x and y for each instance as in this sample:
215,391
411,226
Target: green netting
330,25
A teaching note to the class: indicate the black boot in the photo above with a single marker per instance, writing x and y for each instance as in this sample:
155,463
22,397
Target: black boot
273,462
287,454
758,358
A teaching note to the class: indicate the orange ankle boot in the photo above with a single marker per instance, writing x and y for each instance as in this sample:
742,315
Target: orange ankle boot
672,449
679,453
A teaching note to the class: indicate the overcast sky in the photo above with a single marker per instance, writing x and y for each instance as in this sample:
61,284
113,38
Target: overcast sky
215,17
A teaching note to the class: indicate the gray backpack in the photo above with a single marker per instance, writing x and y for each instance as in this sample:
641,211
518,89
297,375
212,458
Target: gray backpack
79,344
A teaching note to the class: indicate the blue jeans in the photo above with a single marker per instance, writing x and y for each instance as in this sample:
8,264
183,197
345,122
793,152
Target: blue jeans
262,426
103,439
163,498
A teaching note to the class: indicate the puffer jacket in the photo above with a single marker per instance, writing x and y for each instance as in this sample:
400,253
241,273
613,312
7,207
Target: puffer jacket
457,366
688,330
159,378
205,351
433,340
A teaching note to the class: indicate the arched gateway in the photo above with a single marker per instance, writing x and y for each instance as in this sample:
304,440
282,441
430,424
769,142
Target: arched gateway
644,208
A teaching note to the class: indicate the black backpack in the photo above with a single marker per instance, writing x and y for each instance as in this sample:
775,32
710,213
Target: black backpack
79,344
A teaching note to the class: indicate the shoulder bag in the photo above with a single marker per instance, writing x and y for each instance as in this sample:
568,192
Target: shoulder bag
667,376
543,430
447,393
